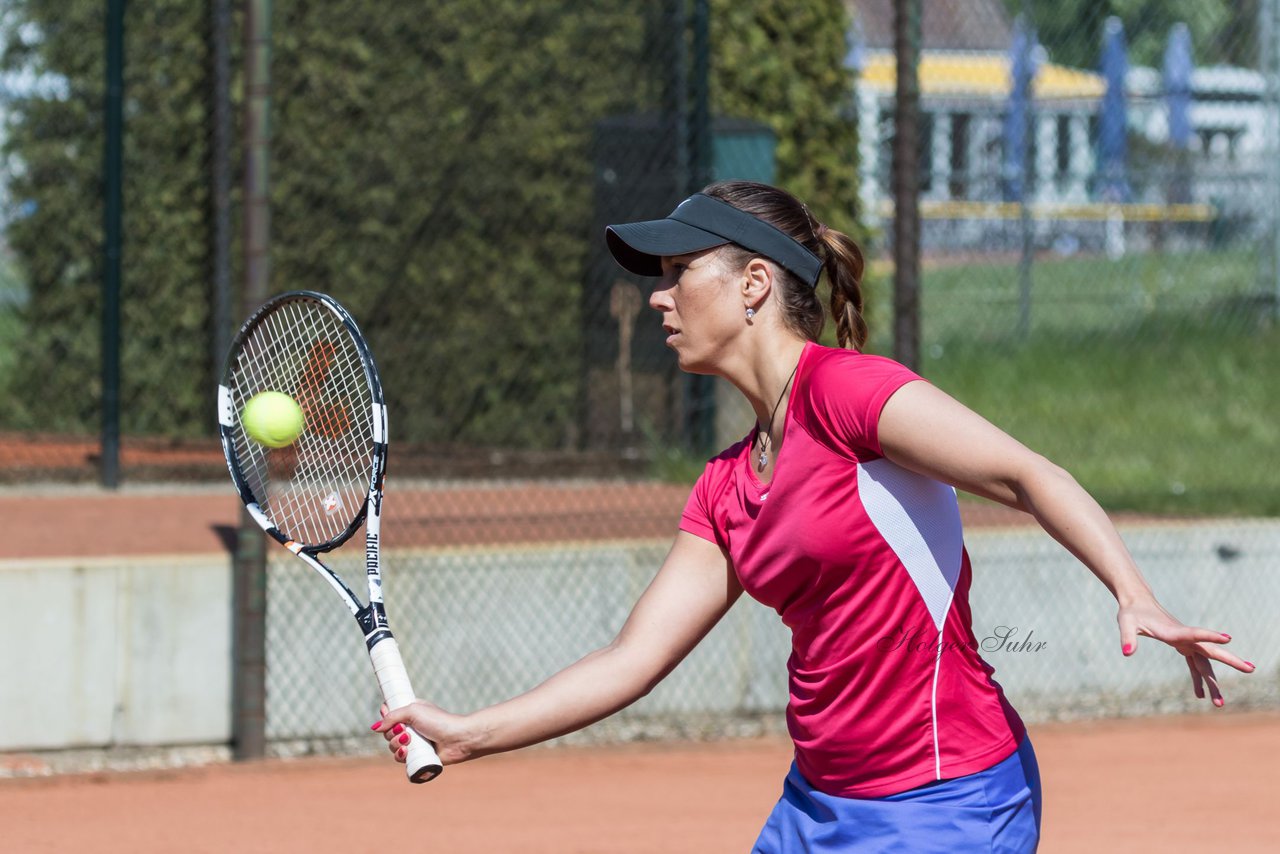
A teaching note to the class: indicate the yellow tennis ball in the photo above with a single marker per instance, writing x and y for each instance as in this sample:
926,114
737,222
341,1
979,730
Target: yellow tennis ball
273,419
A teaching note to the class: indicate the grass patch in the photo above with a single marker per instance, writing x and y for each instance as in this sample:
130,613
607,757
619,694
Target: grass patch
1079,295
1167,415
982,301
1154,379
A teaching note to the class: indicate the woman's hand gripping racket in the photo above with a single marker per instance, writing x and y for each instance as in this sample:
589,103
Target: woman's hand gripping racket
310,467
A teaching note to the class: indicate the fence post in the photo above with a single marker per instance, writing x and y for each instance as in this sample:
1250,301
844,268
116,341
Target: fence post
249,642
1269,62
906,185
249,694
1029,127
113,169
220,174
703,412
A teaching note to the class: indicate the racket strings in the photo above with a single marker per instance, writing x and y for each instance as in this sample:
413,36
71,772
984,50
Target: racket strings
313,488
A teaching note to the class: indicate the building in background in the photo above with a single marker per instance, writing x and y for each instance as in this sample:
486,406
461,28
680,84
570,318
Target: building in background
1228,112
1229,150
965,84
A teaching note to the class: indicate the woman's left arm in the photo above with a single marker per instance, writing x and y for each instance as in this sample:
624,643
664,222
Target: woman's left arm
925,430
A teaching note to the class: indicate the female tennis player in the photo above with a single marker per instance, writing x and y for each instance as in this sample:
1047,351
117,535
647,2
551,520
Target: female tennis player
839,511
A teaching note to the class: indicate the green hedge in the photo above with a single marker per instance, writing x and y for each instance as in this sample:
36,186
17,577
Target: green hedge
58,143
430,168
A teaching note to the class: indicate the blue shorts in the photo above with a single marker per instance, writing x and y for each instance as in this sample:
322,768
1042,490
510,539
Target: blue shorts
996,810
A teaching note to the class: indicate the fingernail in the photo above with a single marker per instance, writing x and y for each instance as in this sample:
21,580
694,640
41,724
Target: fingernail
1227,636
376,726
404,739
1127,649
1250,663
1218,702
397,729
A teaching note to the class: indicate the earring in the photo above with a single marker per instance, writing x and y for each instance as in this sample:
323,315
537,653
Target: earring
751,312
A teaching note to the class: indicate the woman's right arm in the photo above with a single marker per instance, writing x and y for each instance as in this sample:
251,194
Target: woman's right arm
694,588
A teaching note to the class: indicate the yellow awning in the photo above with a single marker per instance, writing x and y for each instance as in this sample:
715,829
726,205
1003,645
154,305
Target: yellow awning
980,75
961,209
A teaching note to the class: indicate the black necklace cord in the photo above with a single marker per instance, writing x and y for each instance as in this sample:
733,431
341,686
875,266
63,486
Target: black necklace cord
765,436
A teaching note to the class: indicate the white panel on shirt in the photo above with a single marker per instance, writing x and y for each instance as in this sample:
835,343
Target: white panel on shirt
920,520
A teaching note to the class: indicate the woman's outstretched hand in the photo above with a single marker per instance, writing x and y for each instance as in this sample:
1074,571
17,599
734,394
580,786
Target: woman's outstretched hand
1200,647
448,732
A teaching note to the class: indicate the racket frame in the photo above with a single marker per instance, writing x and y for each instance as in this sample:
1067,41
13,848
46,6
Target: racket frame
421,762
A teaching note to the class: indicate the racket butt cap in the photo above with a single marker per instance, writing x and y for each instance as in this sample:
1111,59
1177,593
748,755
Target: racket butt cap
425,774
421,763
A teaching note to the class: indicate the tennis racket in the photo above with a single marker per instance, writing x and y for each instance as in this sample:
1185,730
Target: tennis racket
312,495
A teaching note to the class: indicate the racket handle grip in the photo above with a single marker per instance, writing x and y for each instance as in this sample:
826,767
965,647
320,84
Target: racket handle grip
420,760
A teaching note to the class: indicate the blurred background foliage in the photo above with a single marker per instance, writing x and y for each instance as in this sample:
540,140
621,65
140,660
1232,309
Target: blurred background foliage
431,167
1071,30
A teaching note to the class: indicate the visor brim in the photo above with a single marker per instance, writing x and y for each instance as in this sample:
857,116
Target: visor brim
639,246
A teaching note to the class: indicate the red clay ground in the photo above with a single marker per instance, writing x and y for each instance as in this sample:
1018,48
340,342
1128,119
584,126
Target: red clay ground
86,522
1198,783
1171,784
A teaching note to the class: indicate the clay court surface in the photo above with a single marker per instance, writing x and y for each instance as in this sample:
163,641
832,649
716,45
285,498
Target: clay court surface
87,522
1168,784
84,521
1199,783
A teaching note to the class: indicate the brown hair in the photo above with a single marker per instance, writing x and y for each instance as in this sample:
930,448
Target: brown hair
841,258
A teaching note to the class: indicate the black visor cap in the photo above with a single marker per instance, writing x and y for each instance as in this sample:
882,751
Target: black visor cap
701,222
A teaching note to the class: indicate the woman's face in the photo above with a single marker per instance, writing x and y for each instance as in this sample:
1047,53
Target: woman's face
702,311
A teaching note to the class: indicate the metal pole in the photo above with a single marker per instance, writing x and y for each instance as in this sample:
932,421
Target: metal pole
1269,61
249,707
678,96
257,140
701,143
681,117
1024,216
113,203
906,185
700,167
220,174
1028,175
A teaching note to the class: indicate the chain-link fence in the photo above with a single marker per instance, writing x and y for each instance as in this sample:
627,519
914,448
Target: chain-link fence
1099,202
1099,198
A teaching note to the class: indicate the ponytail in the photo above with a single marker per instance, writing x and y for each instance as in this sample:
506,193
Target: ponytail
844,264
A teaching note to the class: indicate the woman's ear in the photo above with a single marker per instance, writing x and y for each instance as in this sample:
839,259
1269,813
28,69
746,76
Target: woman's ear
757,281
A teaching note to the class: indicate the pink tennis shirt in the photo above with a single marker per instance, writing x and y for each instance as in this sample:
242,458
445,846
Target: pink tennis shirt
865,562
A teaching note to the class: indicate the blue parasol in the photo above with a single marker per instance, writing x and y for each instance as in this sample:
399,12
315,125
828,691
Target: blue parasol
1022,72
855,41
1177,85
1113,122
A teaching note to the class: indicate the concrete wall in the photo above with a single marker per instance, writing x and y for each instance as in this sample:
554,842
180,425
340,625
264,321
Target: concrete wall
137,652
114,652
1221,575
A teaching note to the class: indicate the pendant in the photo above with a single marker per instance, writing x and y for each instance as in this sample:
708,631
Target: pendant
762,461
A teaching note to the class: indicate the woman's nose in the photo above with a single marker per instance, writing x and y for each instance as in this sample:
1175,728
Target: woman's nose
660,298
